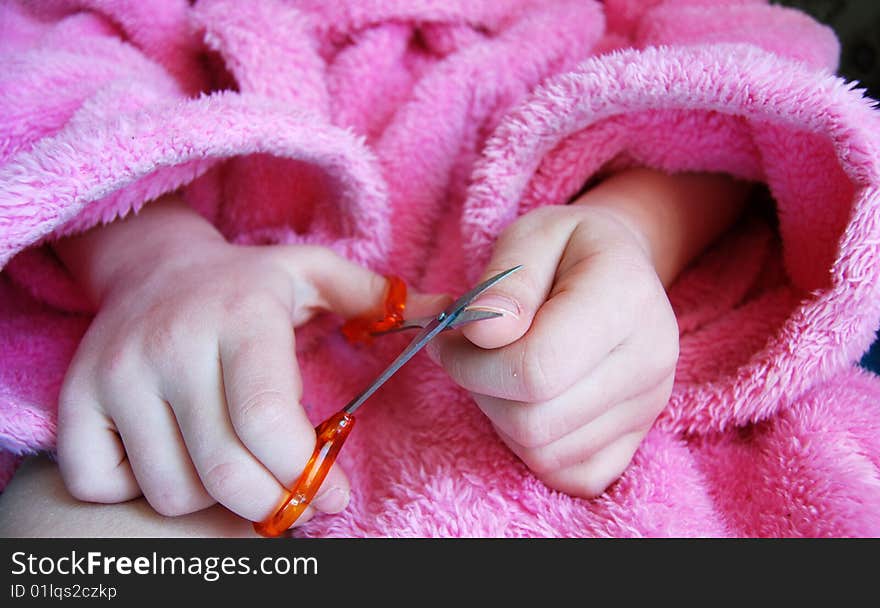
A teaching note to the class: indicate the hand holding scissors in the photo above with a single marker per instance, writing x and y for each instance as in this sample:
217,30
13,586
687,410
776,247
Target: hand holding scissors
332,433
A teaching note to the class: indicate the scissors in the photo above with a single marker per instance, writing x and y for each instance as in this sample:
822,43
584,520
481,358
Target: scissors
332,433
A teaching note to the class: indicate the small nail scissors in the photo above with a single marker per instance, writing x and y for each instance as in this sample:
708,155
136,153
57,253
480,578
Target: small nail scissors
332,433
468,315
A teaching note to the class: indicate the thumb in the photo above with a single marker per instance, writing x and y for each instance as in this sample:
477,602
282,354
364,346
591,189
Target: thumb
349,289
517,298
537,241
325,280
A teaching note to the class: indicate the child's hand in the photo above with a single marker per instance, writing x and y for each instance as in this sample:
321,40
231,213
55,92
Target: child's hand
582,362
574,374
186,386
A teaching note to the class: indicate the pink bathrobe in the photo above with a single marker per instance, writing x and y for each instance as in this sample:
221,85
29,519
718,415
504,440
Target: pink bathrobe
406,134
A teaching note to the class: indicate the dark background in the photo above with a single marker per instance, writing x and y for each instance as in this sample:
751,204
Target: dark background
857,25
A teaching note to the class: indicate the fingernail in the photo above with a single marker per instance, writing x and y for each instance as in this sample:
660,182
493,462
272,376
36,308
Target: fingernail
308,514
497,303
334,500
433,351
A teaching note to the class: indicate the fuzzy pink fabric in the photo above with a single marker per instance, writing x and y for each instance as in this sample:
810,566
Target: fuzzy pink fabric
407,134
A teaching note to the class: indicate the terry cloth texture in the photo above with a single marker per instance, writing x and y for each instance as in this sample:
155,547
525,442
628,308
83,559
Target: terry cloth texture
857,25
406,135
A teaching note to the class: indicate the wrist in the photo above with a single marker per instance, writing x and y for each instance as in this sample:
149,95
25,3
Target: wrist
673,217
162,233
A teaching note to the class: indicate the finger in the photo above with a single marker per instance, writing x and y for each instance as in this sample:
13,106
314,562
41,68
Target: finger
334,283
594,476
585,318
91,456
227,470
263,389
425,305
158,457
346,288
537,246
535,425
634,415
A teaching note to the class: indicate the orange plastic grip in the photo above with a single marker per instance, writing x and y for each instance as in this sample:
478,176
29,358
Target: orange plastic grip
361,329
331,435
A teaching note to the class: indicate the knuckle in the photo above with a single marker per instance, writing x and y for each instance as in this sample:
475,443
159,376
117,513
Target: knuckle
661,366
79,486
117,361
159,342
251,304
261,412
161,335
170,507
171,500
539,373
657,400
542,462
643,291
528,428
90,486
224,481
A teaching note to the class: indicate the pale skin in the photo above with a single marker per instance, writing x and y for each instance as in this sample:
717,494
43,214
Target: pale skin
180,414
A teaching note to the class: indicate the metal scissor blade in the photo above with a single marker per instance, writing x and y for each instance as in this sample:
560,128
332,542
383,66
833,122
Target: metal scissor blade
434,327
462,302
468,315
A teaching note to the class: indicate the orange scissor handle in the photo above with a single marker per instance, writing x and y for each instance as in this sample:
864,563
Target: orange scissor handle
361,329
331,435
